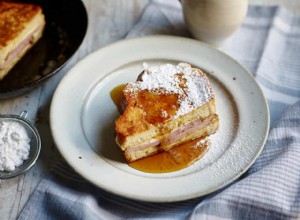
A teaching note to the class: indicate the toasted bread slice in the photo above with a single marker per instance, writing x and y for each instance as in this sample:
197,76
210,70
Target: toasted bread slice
168,105
21,25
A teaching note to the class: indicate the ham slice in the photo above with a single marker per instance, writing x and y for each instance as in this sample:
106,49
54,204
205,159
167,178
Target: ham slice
174,136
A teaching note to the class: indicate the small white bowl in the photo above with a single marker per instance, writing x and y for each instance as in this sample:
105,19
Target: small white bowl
35,145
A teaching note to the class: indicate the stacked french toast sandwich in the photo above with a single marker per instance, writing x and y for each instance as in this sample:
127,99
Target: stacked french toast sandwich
167,106
21,26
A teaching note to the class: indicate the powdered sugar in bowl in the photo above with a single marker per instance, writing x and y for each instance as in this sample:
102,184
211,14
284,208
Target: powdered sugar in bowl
20,145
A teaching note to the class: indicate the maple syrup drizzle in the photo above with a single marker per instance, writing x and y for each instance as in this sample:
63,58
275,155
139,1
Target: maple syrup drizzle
175,159
116,94
158,107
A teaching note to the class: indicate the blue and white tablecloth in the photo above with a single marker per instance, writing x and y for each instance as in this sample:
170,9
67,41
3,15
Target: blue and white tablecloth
268,44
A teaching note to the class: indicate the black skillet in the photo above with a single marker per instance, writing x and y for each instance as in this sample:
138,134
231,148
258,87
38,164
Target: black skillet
66,26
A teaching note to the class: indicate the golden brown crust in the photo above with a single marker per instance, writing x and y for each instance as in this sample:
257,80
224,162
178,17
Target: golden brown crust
13,19
131,122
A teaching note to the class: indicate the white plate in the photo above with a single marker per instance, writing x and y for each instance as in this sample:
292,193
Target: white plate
82,119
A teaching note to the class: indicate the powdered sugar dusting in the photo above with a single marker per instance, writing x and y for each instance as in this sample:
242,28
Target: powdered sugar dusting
201,142
223,138
193,88
14,145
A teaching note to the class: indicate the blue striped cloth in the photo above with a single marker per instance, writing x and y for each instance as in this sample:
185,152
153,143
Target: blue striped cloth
268,44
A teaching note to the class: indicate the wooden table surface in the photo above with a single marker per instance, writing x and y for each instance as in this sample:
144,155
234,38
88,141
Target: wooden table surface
117,18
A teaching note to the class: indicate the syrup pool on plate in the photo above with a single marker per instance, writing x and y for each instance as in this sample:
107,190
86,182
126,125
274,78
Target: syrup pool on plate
174,159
